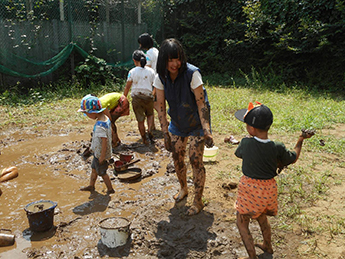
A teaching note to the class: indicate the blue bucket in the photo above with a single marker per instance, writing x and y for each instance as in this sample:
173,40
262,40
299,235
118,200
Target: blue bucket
40,215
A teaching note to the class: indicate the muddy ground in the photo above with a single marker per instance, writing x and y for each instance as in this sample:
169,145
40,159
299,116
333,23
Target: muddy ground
51,168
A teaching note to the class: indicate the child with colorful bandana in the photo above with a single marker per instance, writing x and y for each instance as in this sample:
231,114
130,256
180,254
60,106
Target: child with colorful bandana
101,141
257,189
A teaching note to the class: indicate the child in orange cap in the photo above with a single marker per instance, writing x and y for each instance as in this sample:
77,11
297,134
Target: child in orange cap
101,141
257,189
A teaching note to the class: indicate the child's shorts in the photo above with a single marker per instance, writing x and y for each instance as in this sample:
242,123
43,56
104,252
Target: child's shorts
256,197
101,169
142,106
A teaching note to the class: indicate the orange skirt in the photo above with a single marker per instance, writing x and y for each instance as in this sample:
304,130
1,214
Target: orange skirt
256,197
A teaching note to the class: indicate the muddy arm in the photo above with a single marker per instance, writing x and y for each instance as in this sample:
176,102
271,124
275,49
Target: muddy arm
162,114
204,114
127,88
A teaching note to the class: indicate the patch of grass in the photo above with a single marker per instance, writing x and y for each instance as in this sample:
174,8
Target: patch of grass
50,104
336,225
292,110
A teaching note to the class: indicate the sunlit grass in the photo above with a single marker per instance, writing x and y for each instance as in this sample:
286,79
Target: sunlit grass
292,111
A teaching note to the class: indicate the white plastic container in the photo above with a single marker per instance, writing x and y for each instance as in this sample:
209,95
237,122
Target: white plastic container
210,154
114,231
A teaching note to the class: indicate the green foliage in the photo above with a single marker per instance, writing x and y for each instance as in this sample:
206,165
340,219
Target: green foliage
203,27
94,69
301,41
275,42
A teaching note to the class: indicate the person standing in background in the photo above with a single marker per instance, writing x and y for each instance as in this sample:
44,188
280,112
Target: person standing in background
140,80
146,44
145,41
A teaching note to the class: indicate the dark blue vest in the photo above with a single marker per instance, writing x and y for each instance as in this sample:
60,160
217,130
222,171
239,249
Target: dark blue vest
183,109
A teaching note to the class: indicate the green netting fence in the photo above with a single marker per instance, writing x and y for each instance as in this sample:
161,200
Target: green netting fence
38,37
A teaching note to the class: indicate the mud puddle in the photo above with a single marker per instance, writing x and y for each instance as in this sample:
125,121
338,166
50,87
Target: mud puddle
51,168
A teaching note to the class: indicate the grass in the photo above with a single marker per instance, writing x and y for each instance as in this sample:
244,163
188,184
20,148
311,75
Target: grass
301,185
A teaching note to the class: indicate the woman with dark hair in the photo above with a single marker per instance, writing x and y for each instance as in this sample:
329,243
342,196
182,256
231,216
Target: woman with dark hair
180,83
146,44
140,79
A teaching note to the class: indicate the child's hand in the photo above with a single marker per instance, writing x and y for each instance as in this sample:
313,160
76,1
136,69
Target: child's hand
167,141
209,140
307,133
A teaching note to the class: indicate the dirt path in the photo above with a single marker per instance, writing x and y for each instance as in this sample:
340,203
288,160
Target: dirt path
50,168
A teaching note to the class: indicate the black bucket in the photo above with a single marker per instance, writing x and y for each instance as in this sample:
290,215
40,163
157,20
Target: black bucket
40,215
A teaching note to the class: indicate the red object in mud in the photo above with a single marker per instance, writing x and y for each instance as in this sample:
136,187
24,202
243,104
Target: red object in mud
122,166
118,163
126,157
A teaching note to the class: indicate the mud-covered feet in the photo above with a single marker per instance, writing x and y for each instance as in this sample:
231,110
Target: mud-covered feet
267,249
145,141
87,188
195,209
180,195
150,136
110,191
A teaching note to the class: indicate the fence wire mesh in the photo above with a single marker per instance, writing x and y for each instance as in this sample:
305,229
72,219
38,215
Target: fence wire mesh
38,36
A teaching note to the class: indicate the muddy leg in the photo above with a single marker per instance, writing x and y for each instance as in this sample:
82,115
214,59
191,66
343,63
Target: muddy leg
150,126
196,150
266,234
107,182
141,127
156,107
178,154
93,179
115,138
243,227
